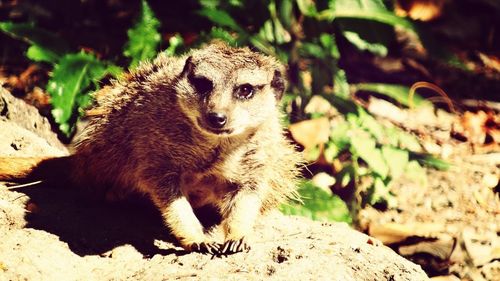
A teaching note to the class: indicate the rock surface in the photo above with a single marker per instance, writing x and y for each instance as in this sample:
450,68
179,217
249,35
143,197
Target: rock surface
23,132
56,234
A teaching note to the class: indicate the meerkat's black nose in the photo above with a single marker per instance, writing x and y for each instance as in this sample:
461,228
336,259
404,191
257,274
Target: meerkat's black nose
216,120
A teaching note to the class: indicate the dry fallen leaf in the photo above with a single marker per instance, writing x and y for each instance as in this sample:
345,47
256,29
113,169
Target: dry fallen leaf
318,104
387,110
477,125
310,133
424,10
390,233
24,79
441,248
490,61
481,248
323,181
38,98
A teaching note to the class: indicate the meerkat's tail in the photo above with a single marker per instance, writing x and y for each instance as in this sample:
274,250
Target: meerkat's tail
24,169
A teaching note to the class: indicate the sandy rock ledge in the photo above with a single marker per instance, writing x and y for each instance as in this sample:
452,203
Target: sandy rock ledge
55,234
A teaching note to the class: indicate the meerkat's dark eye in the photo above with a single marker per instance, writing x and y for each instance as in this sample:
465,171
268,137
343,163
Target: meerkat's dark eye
202,85
245,91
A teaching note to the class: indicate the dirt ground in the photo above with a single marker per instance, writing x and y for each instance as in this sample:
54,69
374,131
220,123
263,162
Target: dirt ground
450,228
450,223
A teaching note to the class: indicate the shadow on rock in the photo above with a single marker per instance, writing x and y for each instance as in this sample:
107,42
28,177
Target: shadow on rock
92,227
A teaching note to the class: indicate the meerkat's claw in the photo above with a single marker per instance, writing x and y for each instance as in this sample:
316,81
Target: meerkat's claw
206,248
234,246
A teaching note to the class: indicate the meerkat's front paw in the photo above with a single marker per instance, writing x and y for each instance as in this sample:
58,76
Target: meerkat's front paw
234,246
212,248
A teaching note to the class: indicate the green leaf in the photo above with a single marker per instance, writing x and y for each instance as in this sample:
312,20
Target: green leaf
282,55
345,179
267,31
318,205
285,13
237,3
222,34
51,45
39,54
398,92
71,78
312,154
345,9
362,44
408,141
83,101
373,10
221,18
396,159
281,35
313,50
278,34
114,70
327,53
260,43
368,123
307,7
143,37
365,35
365,148
174,43
416,173
209,4
321,77
339,135
331,151
346,175
367,5
431,161
339,138
328,43
379,193
340,84
342,104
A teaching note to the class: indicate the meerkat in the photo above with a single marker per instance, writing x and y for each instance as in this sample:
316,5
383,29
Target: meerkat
203,129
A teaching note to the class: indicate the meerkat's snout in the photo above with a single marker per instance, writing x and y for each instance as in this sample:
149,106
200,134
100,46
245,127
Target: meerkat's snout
216,120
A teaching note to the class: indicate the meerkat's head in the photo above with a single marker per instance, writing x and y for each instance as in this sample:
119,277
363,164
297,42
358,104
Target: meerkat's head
227,91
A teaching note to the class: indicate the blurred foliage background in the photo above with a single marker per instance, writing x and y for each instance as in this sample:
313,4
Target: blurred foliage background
339,53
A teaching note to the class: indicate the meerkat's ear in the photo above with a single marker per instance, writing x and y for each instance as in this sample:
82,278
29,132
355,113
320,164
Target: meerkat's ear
202,85
188,67
278,84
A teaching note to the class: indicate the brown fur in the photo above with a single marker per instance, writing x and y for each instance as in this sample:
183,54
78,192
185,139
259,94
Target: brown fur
148,134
